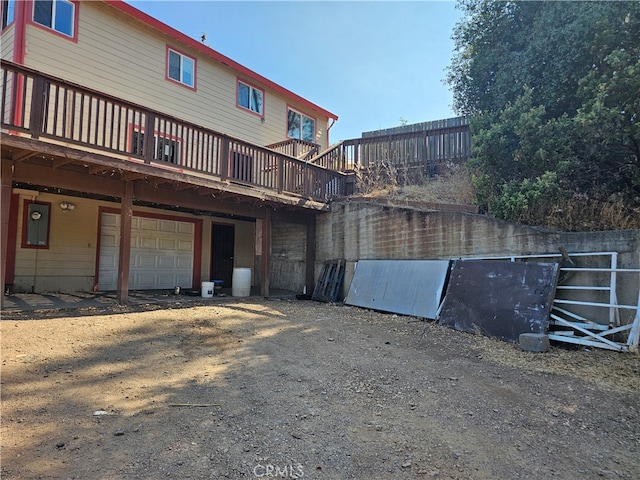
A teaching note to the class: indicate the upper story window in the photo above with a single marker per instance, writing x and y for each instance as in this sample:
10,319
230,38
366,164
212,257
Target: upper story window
300,126
8,12
251,98
58,15
181,68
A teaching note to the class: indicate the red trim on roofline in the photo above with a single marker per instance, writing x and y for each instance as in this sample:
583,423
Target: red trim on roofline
177,35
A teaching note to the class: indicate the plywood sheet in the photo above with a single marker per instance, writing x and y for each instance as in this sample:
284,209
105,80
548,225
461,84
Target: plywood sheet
407,287
499,298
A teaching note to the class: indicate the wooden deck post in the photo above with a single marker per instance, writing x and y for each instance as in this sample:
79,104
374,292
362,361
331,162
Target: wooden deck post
266,253
126,216
224,158
37,106
149,142
5,197
310,260
280,173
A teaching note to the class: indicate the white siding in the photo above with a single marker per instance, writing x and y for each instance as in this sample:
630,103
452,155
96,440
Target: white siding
6,43
69,262
135,58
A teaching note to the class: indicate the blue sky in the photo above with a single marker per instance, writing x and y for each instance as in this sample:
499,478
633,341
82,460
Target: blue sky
370,63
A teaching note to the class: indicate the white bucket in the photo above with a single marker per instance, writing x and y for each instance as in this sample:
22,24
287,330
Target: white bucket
241,282
207,289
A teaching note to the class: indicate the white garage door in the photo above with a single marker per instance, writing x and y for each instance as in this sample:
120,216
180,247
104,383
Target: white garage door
161,253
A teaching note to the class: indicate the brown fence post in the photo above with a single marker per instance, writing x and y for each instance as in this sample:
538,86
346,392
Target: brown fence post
126,218
224,158
149,144
37,106
356,149
5,194
310,258
425,154
266,253
280,185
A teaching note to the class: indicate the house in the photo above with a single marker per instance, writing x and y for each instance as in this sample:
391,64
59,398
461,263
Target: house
136,157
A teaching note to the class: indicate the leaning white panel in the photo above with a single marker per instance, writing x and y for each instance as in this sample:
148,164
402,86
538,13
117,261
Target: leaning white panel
407,287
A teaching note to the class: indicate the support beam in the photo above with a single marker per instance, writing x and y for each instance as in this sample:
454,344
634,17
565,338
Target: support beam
126,216
109,186
266,253
154,181
95,169
23,155
5,202
59,162
183,186
131,176
310,261
118,163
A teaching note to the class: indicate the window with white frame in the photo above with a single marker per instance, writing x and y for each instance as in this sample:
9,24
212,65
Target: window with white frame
300,126
181,68
250,98
8,12
58,15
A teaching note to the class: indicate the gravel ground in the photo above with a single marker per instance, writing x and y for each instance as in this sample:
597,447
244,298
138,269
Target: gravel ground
297,389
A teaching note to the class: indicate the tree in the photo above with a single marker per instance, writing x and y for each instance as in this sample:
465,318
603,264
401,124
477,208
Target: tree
553,93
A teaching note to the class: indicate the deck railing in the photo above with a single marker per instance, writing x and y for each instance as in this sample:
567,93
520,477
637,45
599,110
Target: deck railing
429,148
293,147
50,108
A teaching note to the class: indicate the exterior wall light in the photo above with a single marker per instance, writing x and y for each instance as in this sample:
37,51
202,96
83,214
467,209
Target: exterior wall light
67,206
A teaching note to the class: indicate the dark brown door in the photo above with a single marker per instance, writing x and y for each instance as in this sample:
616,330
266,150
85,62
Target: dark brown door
222,240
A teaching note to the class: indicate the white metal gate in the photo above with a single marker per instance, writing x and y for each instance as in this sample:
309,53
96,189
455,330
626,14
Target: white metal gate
593,275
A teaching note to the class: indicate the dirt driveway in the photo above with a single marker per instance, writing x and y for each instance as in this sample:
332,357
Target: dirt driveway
294,389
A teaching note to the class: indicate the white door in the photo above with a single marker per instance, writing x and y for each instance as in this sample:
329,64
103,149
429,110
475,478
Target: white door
161,253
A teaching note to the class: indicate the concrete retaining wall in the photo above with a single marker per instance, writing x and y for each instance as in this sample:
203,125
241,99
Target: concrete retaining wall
288,256
356,230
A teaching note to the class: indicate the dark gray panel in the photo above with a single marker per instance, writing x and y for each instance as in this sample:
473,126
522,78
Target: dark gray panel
499,298
329,284
407,287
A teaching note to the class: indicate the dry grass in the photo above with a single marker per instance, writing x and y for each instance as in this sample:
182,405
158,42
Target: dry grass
400,183
582,214
403,183
609,370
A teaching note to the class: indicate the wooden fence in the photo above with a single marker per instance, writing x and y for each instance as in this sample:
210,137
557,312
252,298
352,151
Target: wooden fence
430,146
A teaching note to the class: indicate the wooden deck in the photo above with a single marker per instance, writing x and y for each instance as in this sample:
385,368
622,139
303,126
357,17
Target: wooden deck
57,124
